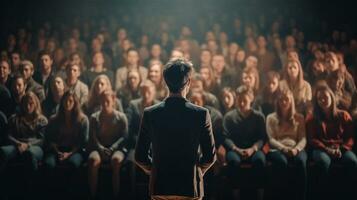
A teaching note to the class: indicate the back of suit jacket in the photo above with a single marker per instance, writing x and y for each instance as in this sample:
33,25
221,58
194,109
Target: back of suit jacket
181,138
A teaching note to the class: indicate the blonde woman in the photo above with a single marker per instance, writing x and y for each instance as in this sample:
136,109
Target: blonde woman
286,134
100,84
293,79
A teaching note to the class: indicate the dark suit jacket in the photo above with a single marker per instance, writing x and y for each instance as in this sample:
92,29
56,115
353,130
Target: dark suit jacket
182,144
134,113
37,76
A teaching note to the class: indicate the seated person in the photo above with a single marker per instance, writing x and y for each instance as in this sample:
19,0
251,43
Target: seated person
287,139
330,133
108,133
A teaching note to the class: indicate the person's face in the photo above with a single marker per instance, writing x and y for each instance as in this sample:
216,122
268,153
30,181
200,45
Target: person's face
176,54
59,55
243,102
251,62
133,58
72,43
134,80
277,44
218,63
273,85
156,51
197,99
15,59
292,55
126,45
240,56
164,37
107,103
331,62
4,70
155,73
233,48
30,106
210,36
293,70
96,45
284,102
144,40
148,94
197,85
76,34
58,85
76,59
223,37
205,57
318,68
27,72
261,42
121,34
98,59
290,42
228,99
212,45
68,103
73,72
248,79
51,46
205,73
46,62
324,99
19,86
101,85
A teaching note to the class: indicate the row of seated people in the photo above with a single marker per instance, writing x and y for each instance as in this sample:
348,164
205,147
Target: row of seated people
283,137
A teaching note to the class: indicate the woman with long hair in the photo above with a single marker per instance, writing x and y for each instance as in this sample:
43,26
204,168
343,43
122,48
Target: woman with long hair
155,75
51,104
67,133
209,82
267,99
108,133
287,139
100,84
331,134
131,89
293,79
25,136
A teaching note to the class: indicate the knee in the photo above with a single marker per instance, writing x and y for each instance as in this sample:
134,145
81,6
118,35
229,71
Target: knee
351,160
75,163
233,158
50,163
323,161
282,163
259,160
116,161
94,162
300,163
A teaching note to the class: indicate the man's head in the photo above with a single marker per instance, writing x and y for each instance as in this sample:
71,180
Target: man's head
26,69
46,61
177,74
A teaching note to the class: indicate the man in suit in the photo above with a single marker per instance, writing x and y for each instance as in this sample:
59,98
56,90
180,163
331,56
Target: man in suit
180,136
45,73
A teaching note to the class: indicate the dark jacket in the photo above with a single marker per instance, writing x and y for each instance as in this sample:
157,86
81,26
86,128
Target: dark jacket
183,149
133,113
37,76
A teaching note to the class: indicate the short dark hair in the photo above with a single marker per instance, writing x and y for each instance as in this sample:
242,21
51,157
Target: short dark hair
45,52
244,90
177,73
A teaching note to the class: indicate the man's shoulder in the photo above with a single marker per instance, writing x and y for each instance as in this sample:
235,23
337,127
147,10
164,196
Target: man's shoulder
188,105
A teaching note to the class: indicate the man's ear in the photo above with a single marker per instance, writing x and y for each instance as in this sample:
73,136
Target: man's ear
188,84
